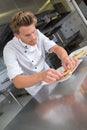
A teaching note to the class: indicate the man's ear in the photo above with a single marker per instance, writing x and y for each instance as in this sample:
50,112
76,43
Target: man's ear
16,35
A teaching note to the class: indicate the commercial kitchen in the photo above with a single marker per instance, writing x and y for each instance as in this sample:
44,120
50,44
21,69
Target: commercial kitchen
61,105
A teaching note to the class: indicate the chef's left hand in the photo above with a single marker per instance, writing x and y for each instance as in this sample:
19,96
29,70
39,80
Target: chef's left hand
69,62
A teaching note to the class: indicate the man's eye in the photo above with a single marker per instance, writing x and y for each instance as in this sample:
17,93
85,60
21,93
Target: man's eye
27,35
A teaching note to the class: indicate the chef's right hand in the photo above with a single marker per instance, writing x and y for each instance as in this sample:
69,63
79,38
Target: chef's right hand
51,75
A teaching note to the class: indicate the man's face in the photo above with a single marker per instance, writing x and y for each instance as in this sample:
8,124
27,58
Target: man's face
28,34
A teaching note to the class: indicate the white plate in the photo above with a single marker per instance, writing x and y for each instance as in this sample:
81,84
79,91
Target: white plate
68,76
78,51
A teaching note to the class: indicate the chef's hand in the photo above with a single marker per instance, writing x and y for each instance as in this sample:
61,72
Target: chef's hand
69,62
51,75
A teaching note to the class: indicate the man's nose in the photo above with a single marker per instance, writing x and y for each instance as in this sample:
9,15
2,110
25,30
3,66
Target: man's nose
33,36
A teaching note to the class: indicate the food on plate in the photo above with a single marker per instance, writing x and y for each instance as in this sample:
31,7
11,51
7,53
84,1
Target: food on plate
79,54
68,72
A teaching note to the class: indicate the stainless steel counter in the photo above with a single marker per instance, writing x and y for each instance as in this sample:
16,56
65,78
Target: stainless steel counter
59,106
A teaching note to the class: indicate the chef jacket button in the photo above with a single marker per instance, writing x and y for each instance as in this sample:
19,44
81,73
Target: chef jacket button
32,61
35,67
25,51
25,46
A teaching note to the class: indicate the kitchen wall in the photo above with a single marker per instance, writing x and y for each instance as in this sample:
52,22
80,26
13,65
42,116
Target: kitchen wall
9,7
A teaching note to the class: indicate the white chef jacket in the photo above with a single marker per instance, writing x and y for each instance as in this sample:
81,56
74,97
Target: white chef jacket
21,58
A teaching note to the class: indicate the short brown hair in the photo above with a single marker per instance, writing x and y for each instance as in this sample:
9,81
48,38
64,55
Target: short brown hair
22,19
